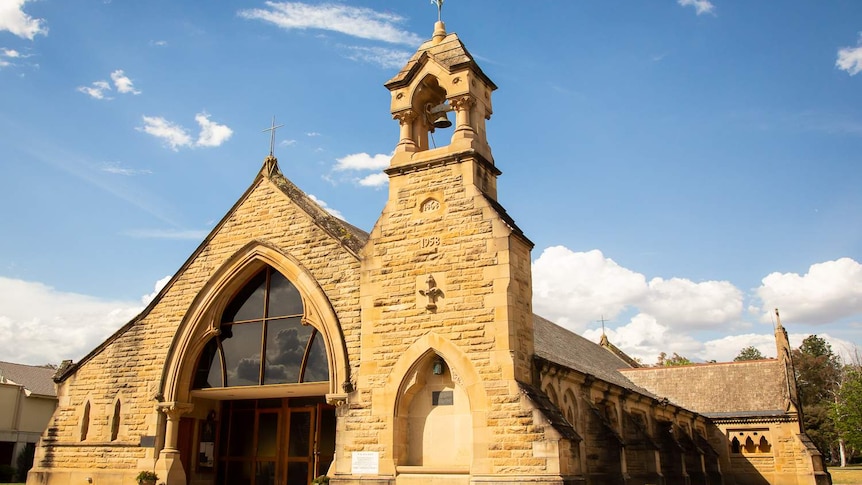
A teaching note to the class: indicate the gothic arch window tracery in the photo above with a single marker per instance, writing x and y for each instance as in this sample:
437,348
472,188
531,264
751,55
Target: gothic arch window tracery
262,340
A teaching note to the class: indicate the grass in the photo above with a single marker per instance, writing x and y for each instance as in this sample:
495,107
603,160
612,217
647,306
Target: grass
850,475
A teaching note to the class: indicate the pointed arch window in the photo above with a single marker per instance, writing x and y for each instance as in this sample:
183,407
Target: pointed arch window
115,421
263,319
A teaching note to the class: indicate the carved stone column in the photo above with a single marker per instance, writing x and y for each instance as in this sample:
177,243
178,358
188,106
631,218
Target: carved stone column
405,119
463,106
169,468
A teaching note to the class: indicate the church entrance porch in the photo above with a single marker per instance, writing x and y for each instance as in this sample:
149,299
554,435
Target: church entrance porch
280,441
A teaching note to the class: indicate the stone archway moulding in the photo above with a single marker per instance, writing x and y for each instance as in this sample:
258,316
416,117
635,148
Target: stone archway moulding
201,321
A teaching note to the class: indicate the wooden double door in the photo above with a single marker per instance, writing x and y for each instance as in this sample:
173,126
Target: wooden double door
286,441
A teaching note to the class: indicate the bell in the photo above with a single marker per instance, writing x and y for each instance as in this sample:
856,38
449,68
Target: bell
441,121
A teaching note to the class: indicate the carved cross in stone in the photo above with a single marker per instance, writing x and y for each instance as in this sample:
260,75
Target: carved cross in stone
439,4
271,131
432,293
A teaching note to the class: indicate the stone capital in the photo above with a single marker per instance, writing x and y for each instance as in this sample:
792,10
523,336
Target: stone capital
461,103
173,410
405,116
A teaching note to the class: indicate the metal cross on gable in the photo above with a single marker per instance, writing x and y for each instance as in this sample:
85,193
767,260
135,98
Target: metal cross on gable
271,131
439,4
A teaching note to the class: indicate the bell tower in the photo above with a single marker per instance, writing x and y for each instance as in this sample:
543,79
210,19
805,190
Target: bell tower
440,79
445,285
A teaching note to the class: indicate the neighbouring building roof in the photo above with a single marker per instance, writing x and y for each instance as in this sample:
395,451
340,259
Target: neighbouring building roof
733,389
560,346
34,379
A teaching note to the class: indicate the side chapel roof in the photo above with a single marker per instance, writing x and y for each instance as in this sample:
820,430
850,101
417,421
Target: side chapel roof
732,389
560,346
34,379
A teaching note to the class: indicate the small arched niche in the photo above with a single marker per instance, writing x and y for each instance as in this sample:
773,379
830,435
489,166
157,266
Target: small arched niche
434,425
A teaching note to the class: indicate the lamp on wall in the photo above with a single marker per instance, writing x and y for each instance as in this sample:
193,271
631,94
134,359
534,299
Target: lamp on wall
437,367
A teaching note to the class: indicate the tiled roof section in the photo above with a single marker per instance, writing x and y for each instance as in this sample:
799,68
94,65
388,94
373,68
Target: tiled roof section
552,413
735,388
35,379
560,346
449,53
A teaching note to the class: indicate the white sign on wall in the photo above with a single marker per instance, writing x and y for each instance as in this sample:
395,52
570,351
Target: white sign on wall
365,463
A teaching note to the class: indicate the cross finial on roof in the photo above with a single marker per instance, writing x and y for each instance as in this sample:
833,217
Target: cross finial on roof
271,131
439,4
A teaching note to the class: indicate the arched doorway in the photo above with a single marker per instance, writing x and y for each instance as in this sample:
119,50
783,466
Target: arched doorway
262,375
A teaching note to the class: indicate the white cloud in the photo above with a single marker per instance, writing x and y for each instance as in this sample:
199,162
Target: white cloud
174,135
678,302
48,325
576,288
323,205
212,134
850,58
146,299
829,292
644,338
701,6
14,20
312,133
287,143
383,57
725,349
374,180
363,23
362,161
171,133
11,53
96,90
123,83
159,43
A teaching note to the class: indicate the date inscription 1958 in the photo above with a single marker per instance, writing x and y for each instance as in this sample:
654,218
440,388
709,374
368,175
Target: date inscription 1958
430,242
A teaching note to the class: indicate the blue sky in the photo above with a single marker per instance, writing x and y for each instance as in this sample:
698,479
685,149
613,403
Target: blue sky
683,166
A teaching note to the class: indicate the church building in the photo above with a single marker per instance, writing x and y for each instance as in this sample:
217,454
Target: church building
292,348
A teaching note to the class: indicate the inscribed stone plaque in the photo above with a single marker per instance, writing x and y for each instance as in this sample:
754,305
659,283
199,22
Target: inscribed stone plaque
148,442
442,398
365,463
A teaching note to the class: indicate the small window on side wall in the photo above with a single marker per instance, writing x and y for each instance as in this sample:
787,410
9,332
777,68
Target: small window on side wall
115,421
85,421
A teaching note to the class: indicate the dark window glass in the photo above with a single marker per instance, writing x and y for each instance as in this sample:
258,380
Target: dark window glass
267,435
317,366
209,367
284,299
242,434
297,472
248,303
241,344
285,346
299,440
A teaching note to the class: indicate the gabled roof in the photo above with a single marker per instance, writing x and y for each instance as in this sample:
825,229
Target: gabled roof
350,237
560,346
450,53
34,379
750,388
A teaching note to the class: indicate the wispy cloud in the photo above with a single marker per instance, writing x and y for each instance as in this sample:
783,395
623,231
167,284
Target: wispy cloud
211,134
13,19
96,90
287,143
172,134
159,43
388,58
375,180
363,23
312,134
11,53
123,83
850,58
116,168
192,234
700,6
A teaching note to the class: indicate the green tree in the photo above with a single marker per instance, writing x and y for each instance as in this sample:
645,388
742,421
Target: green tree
749,353
665,361
818,374
847,409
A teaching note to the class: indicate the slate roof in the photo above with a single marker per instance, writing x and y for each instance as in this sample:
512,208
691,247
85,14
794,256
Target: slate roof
733,389
449,53
34,379
560,346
